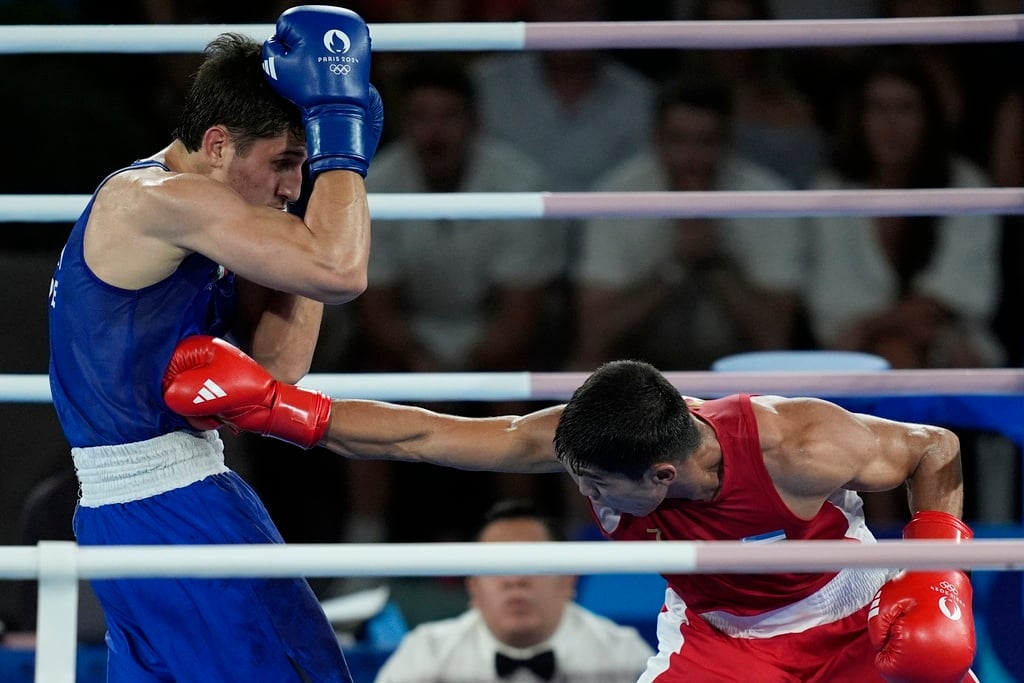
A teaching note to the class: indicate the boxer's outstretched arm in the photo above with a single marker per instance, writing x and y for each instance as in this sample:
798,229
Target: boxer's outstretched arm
248,399
377,430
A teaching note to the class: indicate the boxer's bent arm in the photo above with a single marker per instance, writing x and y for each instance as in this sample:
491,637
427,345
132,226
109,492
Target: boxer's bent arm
279,330
323,258
813,447
924,457
374,430
338,203
938,481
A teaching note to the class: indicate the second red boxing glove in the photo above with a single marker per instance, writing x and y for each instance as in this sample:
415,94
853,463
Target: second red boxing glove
921,623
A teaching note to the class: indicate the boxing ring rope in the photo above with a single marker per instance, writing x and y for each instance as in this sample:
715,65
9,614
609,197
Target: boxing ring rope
464,559
537,205
510,36
59,565
558,386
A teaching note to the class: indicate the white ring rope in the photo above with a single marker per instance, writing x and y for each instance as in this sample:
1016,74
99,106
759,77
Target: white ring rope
530,205
558,386
464,559
58,564
486,36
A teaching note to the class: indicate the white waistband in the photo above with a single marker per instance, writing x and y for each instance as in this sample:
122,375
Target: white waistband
847,592
133,471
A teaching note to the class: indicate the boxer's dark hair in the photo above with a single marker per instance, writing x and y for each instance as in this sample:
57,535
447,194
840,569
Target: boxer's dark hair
624,418
231,90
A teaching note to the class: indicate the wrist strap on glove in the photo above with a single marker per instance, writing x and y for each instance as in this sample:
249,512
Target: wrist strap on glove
335,140
937,524
299,416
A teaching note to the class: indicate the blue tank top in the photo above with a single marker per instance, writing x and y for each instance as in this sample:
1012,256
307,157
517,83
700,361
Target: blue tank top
109,346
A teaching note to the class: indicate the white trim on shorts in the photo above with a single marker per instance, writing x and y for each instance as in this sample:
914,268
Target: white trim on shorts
141,469
847,592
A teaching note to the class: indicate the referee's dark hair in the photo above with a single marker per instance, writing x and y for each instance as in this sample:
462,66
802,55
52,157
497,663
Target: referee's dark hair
520,508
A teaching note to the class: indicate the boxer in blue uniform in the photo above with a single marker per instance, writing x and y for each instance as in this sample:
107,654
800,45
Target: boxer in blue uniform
195,240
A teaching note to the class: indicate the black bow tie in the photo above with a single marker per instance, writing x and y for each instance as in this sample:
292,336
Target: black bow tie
542,664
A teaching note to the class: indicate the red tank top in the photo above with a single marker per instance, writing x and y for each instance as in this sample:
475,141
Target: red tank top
748,508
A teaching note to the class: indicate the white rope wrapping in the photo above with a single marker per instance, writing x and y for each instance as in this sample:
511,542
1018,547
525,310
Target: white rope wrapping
558,386
718,204
464,559
486,36
57,612
58,563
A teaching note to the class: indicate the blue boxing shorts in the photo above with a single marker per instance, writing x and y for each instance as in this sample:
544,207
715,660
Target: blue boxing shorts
196,630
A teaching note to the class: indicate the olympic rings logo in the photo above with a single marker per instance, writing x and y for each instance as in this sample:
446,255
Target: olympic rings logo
340,69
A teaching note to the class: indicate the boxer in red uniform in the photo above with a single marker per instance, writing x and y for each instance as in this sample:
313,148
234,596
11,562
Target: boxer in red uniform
655,465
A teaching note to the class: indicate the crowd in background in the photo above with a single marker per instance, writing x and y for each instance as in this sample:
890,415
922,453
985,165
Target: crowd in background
922,292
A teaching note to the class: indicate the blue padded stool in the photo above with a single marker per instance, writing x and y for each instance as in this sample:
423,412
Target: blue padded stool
791,361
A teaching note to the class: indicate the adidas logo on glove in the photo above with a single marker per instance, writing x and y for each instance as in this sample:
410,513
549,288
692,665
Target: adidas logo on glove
210,391
268,68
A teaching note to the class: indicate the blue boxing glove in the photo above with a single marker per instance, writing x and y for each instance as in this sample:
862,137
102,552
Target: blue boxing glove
319,59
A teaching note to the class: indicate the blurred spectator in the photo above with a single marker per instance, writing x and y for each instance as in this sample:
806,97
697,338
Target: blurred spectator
440,10
814,72
1007,140
681,293
658,63
966,99
1006,164
448,295
999,475
519,629
802,9
773,123
919,291
389,65
577,112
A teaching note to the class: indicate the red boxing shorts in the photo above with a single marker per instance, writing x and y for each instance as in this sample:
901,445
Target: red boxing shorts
693,651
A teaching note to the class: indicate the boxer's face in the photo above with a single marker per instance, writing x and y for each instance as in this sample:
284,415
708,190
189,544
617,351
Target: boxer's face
608,489
268,172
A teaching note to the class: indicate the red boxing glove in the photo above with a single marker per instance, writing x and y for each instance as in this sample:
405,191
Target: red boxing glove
211,382
921,623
